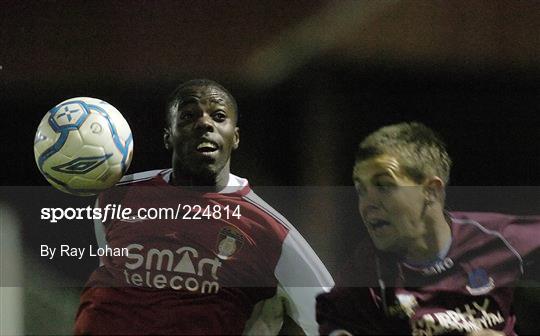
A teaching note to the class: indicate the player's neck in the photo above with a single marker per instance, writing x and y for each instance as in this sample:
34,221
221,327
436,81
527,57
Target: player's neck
433,245
205,182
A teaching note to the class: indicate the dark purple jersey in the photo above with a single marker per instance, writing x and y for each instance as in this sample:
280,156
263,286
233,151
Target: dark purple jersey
468,290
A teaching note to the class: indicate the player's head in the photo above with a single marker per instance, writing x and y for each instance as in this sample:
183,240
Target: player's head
201,130
400,174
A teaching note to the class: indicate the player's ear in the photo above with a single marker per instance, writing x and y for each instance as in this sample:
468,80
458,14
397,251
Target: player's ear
434,189
236,137
167,138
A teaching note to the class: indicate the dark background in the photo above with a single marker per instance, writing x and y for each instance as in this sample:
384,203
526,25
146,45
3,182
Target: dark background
311,79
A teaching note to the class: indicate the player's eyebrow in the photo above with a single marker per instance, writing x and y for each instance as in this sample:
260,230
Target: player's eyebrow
379,175
194,99
188,100
375,178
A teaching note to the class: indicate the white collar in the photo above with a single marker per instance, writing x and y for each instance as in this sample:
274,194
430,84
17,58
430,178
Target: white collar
234,183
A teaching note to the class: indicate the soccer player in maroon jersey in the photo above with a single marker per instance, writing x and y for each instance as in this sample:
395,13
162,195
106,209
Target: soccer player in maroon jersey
423,270
226,263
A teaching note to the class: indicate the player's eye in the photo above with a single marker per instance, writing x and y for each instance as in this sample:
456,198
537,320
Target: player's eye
384,186
186,115
219,116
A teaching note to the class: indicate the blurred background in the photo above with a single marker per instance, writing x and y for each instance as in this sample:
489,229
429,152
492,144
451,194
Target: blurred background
311,79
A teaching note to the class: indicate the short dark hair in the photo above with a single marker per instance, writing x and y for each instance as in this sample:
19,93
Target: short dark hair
172,103
417,147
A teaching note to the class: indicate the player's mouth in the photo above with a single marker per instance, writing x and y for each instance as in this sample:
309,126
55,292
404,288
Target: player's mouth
207,148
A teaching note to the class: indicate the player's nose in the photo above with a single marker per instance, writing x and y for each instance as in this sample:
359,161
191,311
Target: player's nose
204,123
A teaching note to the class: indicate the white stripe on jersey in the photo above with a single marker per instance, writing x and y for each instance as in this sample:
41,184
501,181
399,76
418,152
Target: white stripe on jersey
293,240
254,199
301,276
234,184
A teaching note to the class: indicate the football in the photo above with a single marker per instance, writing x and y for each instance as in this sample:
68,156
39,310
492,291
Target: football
83,146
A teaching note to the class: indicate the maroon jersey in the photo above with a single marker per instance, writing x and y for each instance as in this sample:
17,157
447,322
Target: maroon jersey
226,263
468,289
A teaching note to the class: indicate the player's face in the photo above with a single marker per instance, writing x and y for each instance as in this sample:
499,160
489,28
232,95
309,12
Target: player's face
203,132
391,204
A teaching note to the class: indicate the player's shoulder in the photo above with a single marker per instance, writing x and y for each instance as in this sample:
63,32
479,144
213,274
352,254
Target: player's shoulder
480,228
518,232
148,177
484,221
271,223
472,230
490,221
264,209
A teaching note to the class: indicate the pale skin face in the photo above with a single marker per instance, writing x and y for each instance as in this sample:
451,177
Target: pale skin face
401,215
202,136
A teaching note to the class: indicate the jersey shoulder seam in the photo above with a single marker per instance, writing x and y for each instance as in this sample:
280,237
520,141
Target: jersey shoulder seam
495,233
142,176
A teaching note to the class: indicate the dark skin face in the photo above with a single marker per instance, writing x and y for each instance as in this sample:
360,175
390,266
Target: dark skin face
201,136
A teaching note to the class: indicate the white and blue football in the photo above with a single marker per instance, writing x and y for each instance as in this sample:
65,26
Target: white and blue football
83,146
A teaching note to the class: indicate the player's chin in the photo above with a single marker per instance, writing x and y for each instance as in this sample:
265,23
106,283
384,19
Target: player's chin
206,168
197,161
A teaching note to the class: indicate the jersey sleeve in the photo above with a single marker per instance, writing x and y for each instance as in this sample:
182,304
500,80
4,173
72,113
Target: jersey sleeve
301,277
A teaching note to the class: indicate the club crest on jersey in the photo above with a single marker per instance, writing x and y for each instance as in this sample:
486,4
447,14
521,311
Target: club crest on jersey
479,282
230,241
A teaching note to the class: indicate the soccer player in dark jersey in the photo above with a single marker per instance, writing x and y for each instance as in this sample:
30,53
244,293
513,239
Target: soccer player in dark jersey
226,263
423,270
